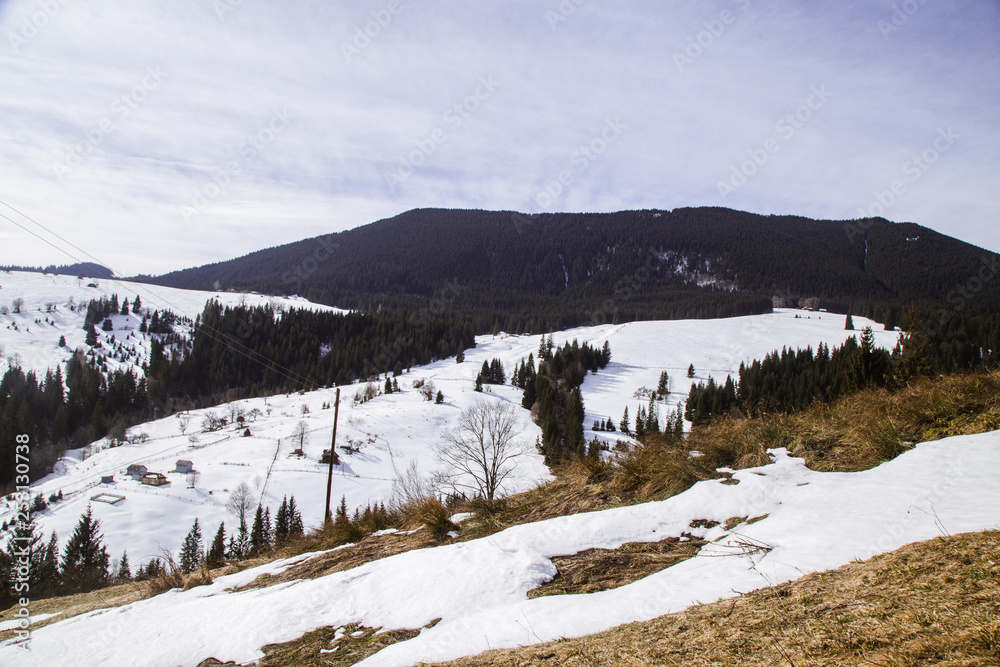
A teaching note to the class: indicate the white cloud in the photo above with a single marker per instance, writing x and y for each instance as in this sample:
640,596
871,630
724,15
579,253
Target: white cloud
79,90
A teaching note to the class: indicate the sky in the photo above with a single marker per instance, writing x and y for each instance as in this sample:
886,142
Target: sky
155,136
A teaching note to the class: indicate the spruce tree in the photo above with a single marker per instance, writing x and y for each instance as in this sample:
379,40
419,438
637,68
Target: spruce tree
849,323
281,522
662,387
25,543
623,424
124,572
48,570
268,530
257,540
136,305
440,398
574,424
295,527
85,559
217,552
191,550
691,371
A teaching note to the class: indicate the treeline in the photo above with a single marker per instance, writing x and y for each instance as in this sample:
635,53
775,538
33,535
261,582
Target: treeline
250,351
794,379
235,352
552,393
92,404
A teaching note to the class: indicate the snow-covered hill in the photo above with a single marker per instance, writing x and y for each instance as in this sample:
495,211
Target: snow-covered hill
56,305
388,431
811,521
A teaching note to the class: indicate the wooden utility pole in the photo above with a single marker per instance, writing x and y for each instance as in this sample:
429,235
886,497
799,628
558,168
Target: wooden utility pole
333,454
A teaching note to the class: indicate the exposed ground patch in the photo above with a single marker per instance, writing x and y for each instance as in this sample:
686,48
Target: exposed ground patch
603,569
326,647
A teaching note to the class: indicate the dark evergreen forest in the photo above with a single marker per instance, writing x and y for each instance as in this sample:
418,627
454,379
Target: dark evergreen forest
507,271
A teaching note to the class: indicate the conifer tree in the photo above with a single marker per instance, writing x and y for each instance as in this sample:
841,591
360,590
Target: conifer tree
258,534
217,552
440,398
849,323
295,527
662,387
85,559
48,570
574,423
25,543
136,305
124,572
691,371
268,528
125,307
281,522
623,424
191,550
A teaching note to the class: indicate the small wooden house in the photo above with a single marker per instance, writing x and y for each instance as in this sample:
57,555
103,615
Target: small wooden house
107,479
184,466
154,479
136,471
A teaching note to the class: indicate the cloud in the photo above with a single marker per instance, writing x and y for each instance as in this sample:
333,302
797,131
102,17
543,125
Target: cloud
146,133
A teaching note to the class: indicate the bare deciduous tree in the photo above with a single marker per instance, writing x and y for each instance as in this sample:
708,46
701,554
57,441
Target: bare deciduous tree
482,446
241,502
300,434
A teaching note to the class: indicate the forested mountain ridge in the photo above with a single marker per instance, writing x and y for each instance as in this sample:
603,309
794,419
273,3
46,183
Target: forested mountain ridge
518,272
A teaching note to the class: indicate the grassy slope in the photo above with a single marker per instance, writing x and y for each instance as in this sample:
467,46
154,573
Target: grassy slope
935,602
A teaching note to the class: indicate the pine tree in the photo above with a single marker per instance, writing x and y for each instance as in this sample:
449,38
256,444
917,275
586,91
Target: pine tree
125,306
623,424
574,423
440,398
62,341
257,533
217,552
662,387
849,323
652,424
25,547
388,385
281,522
191,550
124,572
48,570
137,305
91,338
85,559
295,527
691,371
268,530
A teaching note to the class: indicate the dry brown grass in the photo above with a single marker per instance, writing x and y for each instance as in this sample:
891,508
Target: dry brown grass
371,548
326,647
935,602
603,569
